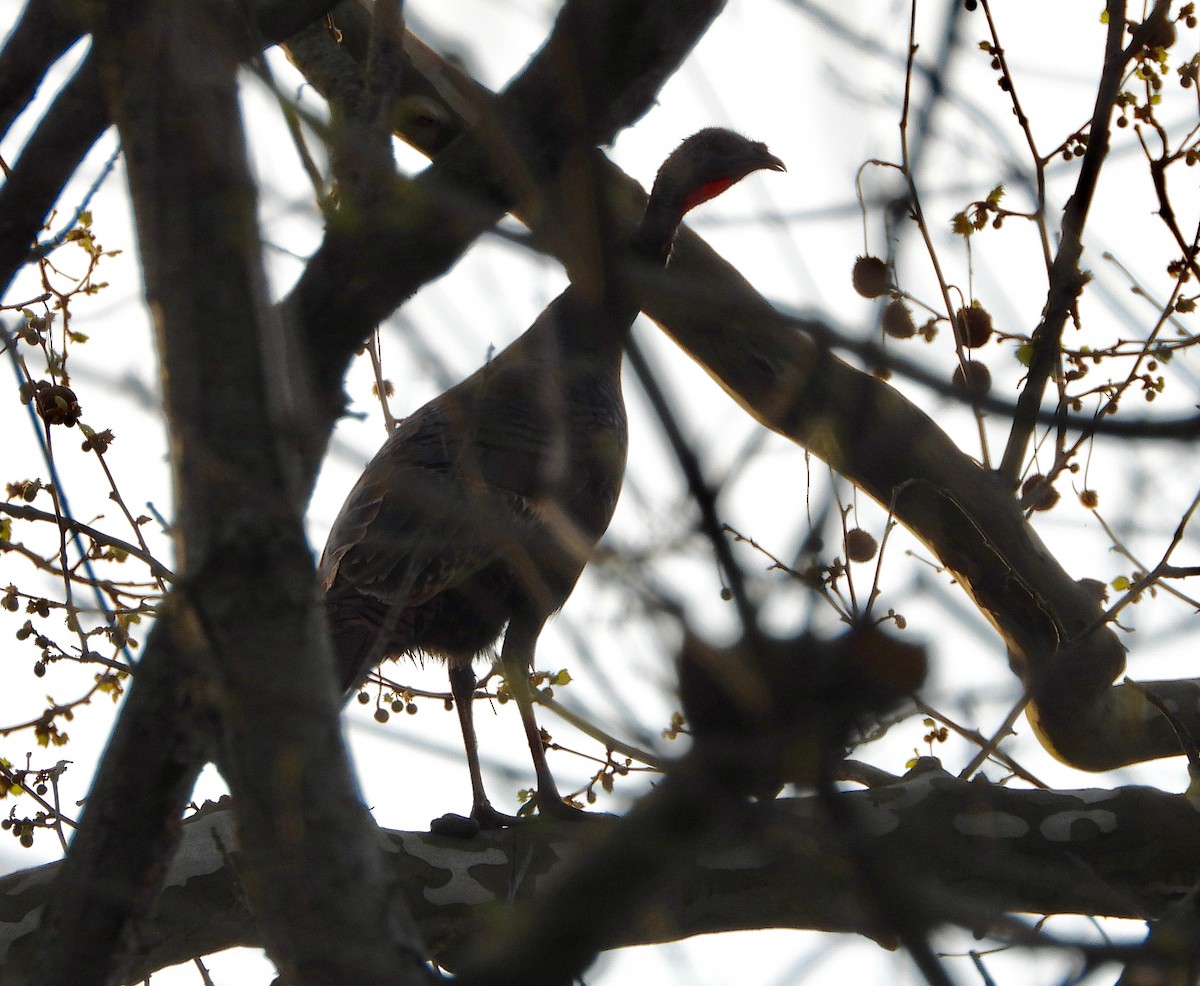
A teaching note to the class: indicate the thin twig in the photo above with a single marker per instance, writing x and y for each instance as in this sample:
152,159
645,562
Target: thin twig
700,491
1066,280
607,740
157,568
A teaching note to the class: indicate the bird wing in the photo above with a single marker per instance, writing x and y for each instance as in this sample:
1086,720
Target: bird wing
431,509
467,478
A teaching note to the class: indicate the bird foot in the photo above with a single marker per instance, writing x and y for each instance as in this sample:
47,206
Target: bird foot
455,826
484,816
560,811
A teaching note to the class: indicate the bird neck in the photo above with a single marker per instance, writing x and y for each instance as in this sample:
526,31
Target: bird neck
656,232
670,200
573,322
579,330
596,327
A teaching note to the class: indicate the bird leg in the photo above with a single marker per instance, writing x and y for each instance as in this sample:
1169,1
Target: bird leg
462,687
516,657
520,641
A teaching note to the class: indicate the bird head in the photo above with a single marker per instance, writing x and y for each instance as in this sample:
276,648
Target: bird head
708,163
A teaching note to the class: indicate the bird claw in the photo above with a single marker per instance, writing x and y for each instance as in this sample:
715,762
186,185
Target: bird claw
468,826
455,826
486,817
561,811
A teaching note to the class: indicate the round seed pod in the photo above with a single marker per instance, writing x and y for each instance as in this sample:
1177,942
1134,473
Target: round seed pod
972,380
871,277
897,320
973,326
1038,494
860,545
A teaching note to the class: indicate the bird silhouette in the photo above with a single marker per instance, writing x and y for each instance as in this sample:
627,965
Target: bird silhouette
479,512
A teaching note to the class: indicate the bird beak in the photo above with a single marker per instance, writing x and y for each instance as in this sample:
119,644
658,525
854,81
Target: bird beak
771,163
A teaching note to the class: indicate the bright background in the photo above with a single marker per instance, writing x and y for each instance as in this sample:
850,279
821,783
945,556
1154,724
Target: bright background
822,84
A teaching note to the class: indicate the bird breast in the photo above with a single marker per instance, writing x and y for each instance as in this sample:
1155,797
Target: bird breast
521,475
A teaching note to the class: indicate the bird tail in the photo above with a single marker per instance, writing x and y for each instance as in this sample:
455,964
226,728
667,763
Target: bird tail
363,636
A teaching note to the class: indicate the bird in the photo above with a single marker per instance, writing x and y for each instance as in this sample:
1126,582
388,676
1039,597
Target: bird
480,510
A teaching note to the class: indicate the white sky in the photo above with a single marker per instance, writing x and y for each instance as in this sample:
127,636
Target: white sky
778,72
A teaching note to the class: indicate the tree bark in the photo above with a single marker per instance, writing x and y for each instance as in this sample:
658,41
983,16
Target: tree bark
967,853
251,653
244,439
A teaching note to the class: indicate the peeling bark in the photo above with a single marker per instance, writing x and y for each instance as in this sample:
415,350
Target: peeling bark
1129,852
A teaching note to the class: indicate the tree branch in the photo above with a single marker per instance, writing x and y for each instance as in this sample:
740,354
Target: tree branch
1066,279
157,568
37,40
72,124
1129,852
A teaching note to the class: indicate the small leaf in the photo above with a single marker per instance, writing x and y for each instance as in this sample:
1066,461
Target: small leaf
1120,583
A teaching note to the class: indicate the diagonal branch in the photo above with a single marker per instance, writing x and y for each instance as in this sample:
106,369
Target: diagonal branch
72,124
1066,279
37,40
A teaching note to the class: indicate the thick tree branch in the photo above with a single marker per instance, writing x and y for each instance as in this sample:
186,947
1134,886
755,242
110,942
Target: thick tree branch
72,124
236,408
1129,852
966,515
37,40
590,903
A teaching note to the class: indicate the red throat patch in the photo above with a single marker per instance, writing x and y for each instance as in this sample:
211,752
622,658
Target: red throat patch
705,192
